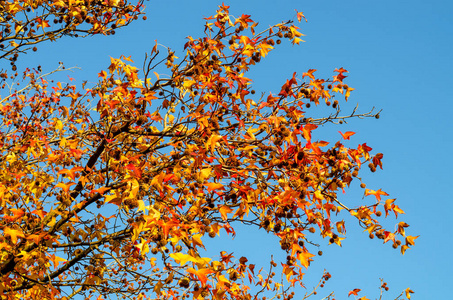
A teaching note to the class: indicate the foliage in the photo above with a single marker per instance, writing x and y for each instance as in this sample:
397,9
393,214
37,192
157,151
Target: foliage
112,189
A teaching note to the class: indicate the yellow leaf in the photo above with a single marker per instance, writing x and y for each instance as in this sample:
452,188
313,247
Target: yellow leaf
212,141
222,279
14,234
305,258
250,134
205,173
142,206
408,293
138,228
182,258
188,84
56,260
410,240
58,125
52,221
318,195
265,48
143,247
135,187
122,56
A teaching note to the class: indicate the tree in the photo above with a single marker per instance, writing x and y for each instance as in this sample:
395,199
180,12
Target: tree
112,189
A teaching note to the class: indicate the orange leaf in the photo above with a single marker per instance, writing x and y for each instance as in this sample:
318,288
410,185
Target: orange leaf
307,131
71,173
403,249
389,205
102,74
300,15
305,258
354,292
214,186
42,23
401,226
397,210
377,193
224,210
56,260
201,274
65,186
347,134
410,240
17,214
309,73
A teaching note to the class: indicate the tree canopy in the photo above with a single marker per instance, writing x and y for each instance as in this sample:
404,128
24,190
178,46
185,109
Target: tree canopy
111,190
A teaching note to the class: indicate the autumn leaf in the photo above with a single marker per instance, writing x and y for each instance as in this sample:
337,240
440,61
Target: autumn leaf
307,131
354,292
309,73
410,240
389,236
42,23
300,15
224,210
72,172
289,272
401,226
265,49
408,293
347,134
377,193
390,205
17,214
404,248
13,234
182,258
56,260
65,186
201,274
214,186
158,287
205,173
212,141
305,258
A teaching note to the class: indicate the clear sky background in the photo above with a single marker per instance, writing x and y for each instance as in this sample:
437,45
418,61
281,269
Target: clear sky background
400,58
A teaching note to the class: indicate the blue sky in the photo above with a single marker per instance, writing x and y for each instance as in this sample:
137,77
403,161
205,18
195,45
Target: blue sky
400,58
